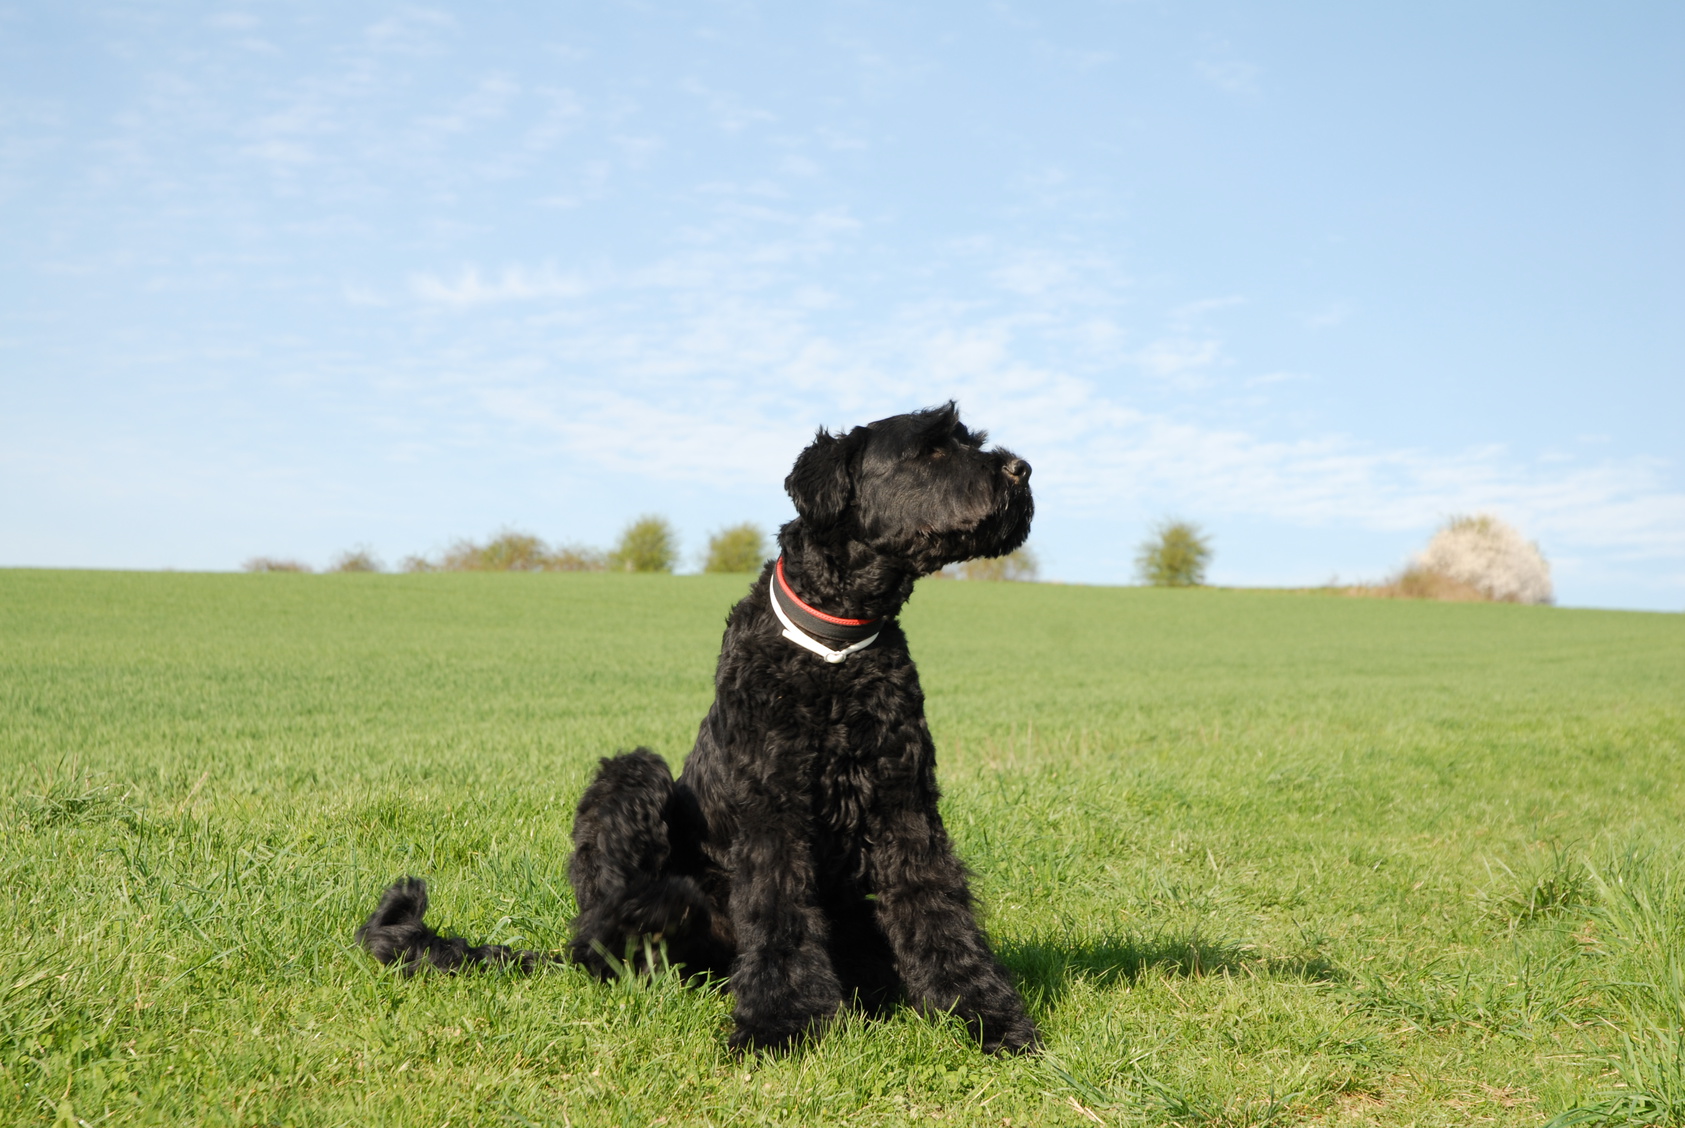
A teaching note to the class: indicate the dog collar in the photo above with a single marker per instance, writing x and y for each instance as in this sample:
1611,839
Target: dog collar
811,629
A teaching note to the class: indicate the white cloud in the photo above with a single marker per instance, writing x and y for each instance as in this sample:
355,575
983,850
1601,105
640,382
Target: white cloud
514,284
801,166
1189,313
617,433
1181,361
1621,506
1230,75
637,151
718,384
1098,455
1328,316
728,112
361,295
278,152
1032,275
487,101
411,31
1271,378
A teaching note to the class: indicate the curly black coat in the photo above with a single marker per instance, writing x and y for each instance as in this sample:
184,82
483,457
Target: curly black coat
801,852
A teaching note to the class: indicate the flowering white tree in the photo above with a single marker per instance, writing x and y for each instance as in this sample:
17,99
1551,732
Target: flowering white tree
1491,556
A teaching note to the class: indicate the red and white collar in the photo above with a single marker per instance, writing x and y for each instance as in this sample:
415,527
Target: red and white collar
811,628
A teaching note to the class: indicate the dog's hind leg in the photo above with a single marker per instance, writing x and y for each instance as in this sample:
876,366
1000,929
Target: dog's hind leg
395,933
620,868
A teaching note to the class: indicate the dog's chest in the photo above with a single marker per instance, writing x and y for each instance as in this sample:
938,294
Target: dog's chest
848,775
870,756
843,742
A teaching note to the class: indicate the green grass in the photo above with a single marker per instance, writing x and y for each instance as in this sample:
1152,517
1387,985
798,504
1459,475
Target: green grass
1256,858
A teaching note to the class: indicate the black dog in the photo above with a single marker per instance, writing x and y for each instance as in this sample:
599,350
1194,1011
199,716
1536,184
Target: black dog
801,853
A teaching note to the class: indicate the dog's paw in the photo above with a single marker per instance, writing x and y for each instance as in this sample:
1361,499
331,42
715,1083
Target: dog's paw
1018,1036
756,1043
772,1039
592,956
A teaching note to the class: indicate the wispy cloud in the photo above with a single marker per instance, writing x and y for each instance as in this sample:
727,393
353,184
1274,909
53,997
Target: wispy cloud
1620,505
487,101
411,31
1269,378
1328,316
465,246
711,385
241,28
233,21
514,284
1192,313
1221,68
1033,275
362,295
620,433
728,112
1185,362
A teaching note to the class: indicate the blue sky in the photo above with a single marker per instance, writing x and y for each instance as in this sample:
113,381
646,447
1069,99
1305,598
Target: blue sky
286,278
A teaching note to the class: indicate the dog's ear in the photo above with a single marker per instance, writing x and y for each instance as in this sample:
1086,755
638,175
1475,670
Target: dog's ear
821,482
939,422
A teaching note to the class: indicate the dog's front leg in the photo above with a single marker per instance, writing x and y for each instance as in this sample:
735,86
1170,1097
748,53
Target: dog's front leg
924,908
782,979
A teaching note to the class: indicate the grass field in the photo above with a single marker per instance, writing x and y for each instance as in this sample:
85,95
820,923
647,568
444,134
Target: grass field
1256,858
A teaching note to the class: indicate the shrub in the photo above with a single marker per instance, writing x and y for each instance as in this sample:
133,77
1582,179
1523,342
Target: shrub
356,560
647,545
1174,556
1420,583
741,548
1017,565
509,551
273,564
575,558
1490,556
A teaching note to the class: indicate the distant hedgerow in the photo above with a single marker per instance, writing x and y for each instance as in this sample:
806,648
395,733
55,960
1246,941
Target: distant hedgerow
356,560
274,564
1017,565
576,558
741,548
1421,583
647,545
1174,556
509,551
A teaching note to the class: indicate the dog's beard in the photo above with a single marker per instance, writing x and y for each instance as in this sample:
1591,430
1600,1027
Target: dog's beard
998,530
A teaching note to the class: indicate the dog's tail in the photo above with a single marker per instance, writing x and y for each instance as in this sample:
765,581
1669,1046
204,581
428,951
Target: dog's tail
628,899
620,870
395,933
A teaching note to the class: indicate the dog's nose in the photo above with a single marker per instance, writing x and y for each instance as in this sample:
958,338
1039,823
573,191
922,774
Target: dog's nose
1018,470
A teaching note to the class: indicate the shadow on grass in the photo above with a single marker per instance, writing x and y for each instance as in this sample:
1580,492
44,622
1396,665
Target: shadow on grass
1049,967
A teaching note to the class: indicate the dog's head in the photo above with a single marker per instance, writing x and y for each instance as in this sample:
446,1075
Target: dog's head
918,487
